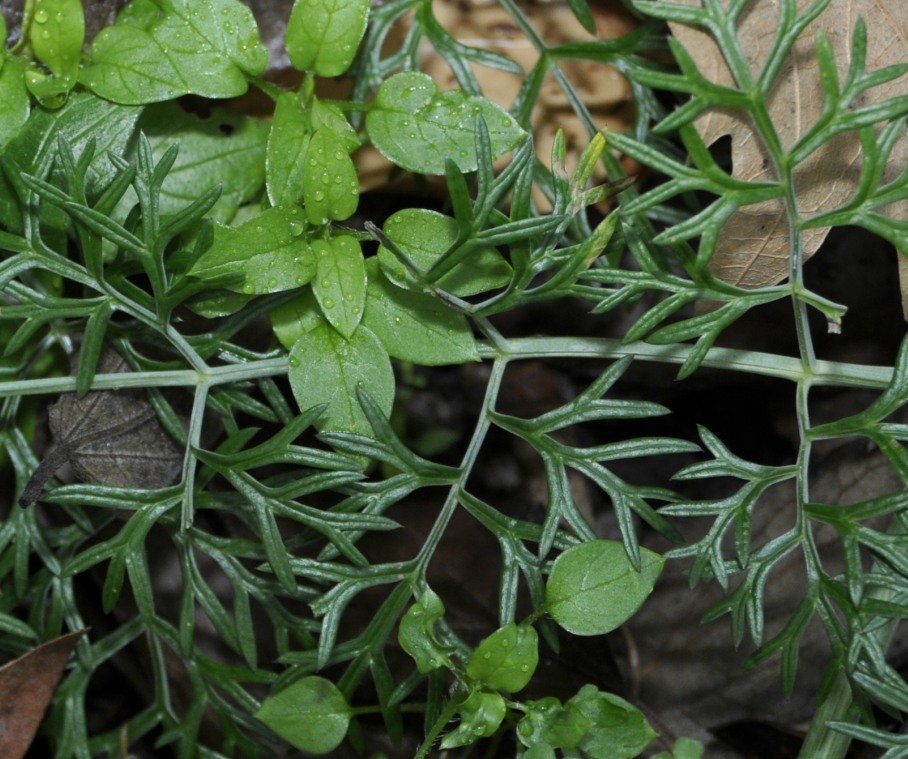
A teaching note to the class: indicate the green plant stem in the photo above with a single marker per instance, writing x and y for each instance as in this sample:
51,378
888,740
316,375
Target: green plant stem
469,459
821,741
826,373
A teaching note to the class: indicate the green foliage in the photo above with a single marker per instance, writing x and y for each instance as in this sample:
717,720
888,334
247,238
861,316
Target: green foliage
312,714
221,255
594,588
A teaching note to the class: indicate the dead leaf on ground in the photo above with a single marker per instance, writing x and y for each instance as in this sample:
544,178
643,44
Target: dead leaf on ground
27,685
109,437
753,246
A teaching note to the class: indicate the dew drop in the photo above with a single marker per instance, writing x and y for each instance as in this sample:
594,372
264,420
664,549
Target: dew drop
41,16
339,155
329,303
319,196
296,229
294,362
301,280
487,655
337,180
397,320
356,310
326,283
249,288
46,35
348,297
59,16
272,284
259,229
524,668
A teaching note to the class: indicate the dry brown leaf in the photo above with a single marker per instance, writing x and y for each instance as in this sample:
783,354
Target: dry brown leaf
26,687
753,246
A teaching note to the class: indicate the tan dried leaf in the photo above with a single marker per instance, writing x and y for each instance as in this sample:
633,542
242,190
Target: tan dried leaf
753,246
27,685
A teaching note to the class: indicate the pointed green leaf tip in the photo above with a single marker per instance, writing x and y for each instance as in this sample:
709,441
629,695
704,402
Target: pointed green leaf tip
593,587
312,714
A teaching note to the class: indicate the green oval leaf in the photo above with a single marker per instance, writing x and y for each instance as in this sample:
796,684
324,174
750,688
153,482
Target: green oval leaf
56,35
618,730
507,659
425,236
340,283
330,183
311,714
416,633
326,367
417,127
161,49
323,35
288,142
593,587
269,252
414,326
548,723
481,714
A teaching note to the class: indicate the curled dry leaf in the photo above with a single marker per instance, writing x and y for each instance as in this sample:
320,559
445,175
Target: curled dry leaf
753,246
27,685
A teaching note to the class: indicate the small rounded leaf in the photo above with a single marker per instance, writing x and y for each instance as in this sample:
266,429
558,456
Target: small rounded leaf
323,35
481,713
425,235
507,659
417,127
330,183
312,714
593,587
417,632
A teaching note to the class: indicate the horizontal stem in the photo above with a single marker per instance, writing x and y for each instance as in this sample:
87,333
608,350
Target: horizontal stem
217,375
751,362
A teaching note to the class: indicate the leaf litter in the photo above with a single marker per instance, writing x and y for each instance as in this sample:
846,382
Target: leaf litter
753,247
109,437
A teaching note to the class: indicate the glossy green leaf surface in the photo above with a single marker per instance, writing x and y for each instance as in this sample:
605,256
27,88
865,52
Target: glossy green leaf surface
417,127
340,282
481,714
413,326
619,730
288,141
14,101
326,367
593,587
161,50
294,318
268,252
416,633
311,714
506,659
224,145
424,236
323,35
552,724
56,35
330,183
